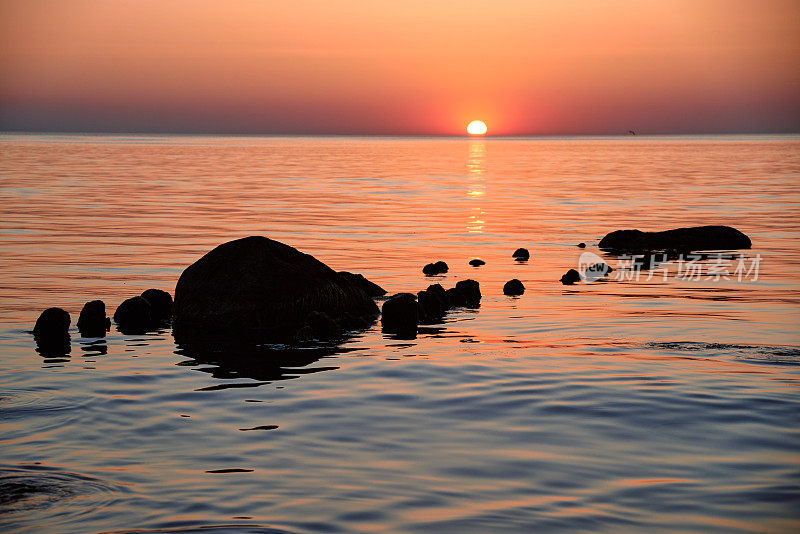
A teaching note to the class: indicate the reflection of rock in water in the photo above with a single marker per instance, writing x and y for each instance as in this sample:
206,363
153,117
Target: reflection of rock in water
264,363
56,347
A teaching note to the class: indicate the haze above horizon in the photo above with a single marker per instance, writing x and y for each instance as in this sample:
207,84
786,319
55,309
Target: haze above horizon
361,67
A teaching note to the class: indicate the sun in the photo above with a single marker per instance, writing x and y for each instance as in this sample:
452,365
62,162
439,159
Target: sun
476,128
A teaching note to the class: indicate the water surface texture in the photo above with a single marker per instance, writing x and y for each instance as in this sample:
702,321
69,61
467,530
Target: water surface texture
644,402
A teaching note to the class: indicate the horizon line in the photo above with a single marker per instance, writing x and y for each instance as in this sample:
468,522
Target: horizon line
367,134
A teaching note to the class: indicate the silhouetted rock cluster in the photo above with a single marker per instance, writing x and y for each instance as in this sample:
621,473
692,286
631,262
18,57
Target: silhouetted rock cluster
260,289
682,239
432,269
404,312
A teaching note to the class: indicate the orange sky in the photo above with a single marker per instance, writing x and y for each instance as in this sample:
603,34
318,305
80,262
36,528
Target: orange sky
401,67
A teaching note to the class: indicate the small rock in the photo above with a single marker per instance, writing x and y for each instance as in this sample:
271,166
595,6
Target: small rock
51,333
439,290
160,304
134,316
521,254
597,271
370,288
513,287
52,323
432,269
432,304
570,277
477,262
581,245
93,321
400,315
471,291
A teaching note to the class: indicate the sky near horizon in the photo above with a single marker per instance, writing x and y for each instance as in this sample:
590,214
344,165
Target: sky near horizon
400,67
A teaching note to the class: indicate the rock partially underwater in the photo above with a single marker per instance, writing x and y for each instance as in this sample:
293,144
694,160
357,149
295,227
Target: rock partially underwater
259,289
404,312
513,288
134,316
521,254
681,239
92,321
570,277
432,269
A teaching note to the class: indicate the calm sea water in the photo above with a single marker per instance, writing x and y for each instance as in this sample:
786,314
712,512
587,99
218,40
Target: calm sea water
632,404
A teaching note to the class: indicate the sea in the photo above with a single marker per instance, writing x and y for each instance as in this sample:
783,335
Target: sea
660,398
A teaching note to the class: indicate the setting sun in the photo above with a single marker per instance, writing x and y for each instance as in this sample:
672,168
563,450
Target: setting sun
476,128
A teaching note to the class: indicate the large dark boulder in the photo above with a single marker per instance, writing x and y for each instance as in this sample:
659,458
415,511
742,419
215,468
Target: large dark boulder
370,288
160,304
134,316
400,314
261,289
695,238
92,321
513,288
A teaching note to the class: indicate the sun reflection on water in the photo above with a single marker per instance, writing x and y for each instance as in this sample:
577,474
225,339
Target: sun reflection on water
476,184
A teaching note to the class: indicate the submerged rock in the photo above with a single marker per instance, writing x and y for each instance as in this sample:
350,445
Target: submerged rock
521,254
513,288
258,288
432,269
400,314
477,262
694,238
570,277
370,288
597,271
134,316
160,304
92,321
